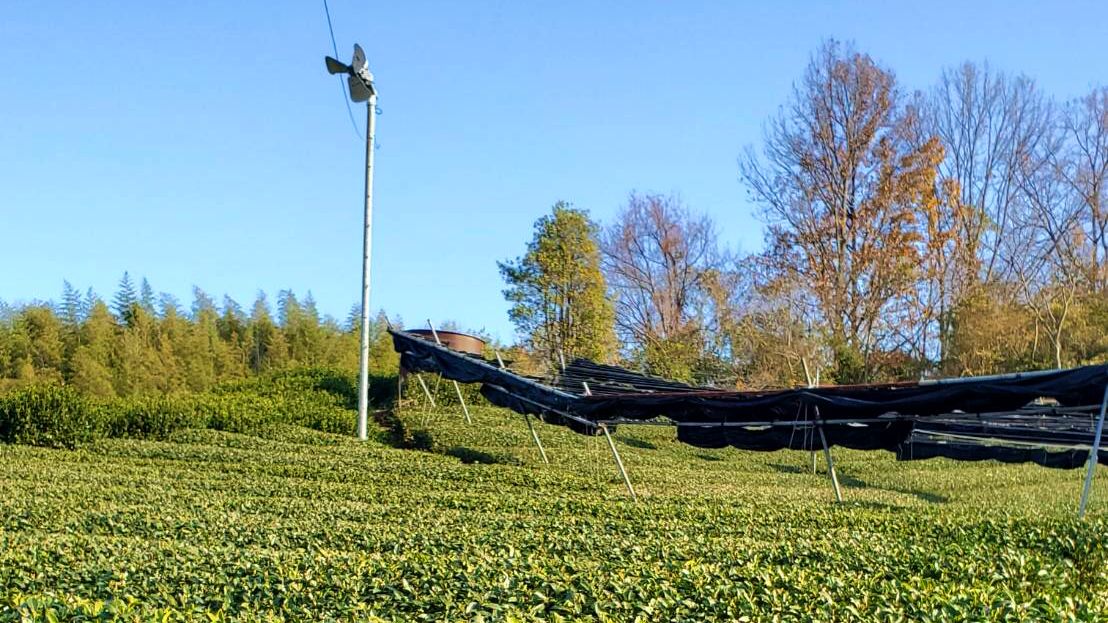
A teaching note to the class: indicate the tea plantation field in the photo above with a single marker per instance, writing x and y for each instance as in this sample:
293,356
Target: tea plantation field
295,524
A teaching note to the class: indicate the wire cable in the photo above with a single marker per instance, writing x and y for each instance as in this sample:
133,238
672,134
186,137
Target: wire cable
342,85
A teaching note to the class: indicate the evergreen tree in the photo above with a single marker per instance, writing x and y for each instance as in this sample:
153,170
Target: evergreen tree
558,292
146,297
124,302
72,314
201,302
72,308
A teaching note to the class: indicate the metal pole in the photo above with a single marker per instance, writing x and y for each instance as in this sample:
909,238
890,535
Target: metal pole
808,377
367,244
1094,456
619,462
535,436
457,389
526,418
425,390
830,465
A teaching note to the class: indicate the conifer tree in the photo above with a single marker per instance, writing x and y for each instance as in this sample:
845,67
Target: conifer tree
146,298
72,306
558,292
125,300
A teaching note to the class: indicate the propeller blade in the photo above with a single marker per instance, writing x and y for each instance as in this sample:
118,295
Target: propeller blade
336,67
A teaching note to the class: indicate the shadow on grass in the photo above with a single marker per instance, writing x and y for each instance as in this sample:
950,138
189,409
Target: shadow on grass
926,496
857,483
470,456
638,443
704,456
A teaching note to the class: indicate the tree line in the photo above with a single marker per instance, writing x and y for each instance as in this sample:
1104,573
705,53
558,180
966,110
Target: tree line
140,343
961,230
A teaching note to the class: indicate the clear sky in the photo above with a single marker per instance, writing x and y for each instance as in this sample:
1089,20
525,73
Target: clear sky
204,143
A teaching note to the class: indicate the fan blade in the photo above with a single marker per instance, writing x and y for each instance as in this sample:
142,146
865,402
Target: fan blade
336,67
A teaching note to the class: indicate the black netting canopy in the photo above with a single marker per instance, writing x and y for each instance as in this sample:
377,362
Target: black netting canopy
1019,414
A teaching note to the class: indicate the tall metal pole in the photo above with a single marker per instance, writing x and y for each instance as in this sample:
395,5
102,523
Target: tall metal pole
1094,456
367,245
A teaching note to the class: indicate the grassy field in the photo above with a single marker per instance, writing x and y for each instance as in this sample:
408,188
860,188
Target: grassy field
296,524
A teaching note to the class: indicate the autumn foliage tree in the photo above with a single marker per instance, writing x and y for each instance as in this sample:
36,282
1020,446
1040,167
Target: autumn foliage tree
841,181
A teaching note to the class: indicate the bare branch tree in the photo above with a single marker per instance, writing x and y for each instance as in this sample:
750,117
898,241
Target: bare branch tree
660,261
990,125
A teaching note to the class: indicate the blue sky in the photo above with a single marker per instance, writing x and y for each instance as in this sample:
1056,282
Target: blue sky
204,143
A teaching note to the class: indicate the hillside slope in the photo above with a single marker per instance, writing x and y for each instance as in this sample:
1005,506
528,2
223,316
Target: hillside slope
301,525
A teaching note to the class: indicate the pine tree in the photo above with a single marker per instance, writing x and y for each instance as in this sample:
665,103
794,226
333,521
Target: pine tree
72,306
201,302
124,302
146,297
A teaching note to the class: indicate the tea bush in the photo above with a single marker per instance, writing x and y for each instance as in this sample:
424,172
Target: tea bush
210,525
56,416
48,415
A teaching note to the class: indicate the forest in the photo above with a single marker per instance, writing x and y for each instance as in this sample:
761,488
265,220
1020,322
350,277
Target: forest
957,230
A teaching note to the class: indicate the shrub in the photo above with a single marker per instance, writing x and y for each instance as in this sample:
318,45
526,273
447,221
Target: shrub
151,417
48,415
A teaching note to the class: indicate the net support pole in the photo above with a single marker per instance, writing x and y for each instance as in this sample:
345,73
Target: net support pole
619,462
812,382
426,392
526,417
830,465
457,389
1094,456
535,437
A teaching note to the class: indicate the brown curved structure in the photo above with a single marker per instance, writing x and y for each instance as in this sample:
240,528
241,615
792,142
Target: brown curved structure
462,342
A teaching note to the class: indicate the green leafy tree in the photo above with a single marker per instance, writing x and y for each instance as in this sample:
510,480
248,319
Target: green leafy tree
557,290
92,360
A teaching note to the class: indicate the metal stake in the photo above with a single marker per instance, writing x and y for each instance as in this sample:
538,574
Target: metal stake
1094,456
535,436
526,418
830,465
426,391
619,462
457,389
